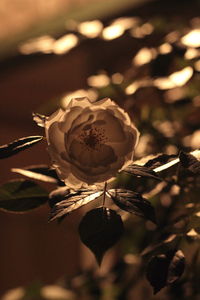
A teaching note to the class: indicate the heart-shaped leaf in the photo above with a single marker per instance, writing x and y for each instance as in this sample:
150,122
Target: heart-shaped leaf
18,145
142,171
100,229
40,172
72,201
165,269
21,195
133,203
157,272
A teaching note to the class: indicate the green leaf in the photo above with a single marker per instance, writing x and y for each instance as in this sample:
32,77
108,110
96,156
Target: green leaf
21,195
18,145
165,269
39,172
100,229
72,201
133,202
142,171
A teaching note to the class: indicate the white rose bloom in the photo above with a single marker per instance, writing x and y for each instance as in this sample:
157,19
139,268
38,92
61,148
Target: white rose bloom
90,141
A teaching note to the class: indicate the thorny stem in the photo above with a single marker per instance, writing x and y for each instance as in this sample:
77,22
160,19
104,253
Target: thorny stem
104,193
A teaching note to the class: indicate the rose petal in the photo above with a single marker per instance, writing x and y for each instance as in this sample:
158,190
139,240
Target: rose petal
56,137
90,142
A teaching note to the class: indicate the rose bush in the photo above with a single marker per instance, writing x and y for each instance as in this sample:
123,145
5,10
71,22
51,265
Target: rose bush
90,141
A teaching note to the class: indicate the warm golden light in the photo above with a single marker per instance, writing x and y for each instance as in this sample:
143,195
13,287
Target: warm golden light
98,81
133,87
90,29
175,79
165,127
164,83
192,39
142,31
42,44
112,32
132,259
147,28
172,37
165,48
192,233
117,78
144,56
17,293
118,27
181,77
192,140
52,292
197,65
65,43
191,53
126,22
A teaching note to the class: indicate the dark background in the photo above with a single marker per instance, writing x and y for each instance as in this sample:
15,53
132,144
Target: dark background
31,248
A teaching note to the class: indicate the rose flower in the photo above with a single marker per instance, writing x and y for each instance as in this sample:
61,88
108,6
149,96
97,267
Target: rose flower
90,141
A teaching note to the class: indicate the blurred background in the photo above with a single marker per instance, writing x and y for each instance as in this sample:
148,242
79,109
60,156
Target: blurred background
144,54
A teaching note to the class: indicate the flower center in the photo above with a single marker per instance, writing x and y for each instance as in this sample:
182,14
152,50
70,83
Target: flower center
93,138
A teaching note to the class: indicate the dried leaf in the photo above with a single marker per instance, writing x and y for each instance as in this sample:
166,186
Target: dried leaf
72,201
100,229
133,202
18,145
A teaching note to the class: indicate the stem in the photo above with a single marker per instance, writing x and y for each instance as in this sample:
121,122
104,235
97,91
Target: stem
104,194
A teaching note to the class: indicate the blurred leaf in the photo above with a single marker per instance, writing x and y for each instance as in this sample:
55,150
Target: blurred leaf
38,172
18,145
100,229
189,162
133,203
21,195
141,171
72,201
164,269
